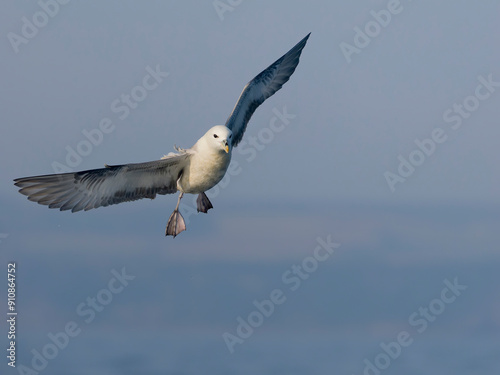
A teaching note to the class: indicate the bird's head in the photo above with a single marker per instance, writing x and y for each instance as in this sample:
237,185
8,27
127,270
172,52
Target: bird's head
220,138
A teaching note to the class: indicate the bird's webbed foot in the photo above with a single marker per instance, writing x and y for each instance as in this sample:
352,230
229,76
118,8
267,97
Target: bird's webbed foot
175,224
203,203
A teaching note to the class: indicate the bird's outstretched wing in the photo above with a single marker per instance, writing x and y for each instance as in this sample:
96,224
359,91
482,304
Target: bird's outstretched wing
102,187
262,87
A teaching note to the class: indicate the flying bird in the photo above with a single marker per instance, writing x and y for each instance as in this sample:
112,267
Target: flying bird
193,170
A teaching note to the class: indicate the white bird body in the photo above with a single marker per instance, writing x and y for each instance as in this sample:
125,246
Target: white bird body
193,170
208,163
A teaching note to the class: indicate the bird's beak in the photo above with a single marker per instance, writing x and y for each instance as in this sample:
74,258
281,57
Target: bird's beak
226,147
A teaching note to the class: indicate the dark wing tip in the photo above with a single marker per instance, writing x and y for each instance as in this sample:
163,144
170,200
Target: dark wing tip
300,45
19,180
292,56
22,181
304,40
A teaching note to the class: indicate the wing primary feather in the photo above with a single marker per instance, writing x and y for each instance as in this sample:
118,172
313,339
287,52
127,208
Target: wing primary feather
106,186
264,85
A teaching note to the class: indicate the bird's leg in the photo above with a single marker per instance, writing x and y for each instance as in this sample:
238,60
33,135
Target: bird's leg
203,203
175,224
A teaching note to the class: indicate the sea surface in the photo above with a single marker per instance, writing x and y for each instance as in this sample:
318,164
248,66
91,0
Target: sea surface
108,353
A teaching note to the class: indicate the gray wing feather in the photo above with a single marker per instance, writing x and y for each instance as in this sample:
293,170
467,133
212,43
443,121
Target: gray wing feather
102,187
262,87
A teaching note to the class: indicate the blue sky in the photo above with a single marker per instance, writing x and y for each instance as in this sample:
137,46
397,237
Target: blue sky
350,125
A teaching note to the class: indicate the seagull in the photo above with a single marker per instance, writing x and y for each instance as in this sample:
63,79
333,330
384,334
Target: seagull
190,171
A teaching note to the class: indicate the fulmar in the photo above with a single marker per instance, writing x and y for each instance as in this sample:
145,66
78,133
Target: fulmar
193,170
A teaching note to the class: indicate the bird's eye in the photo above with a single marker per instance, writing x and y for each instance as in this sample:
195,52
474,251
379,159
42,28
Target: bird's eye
230,136
216,136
